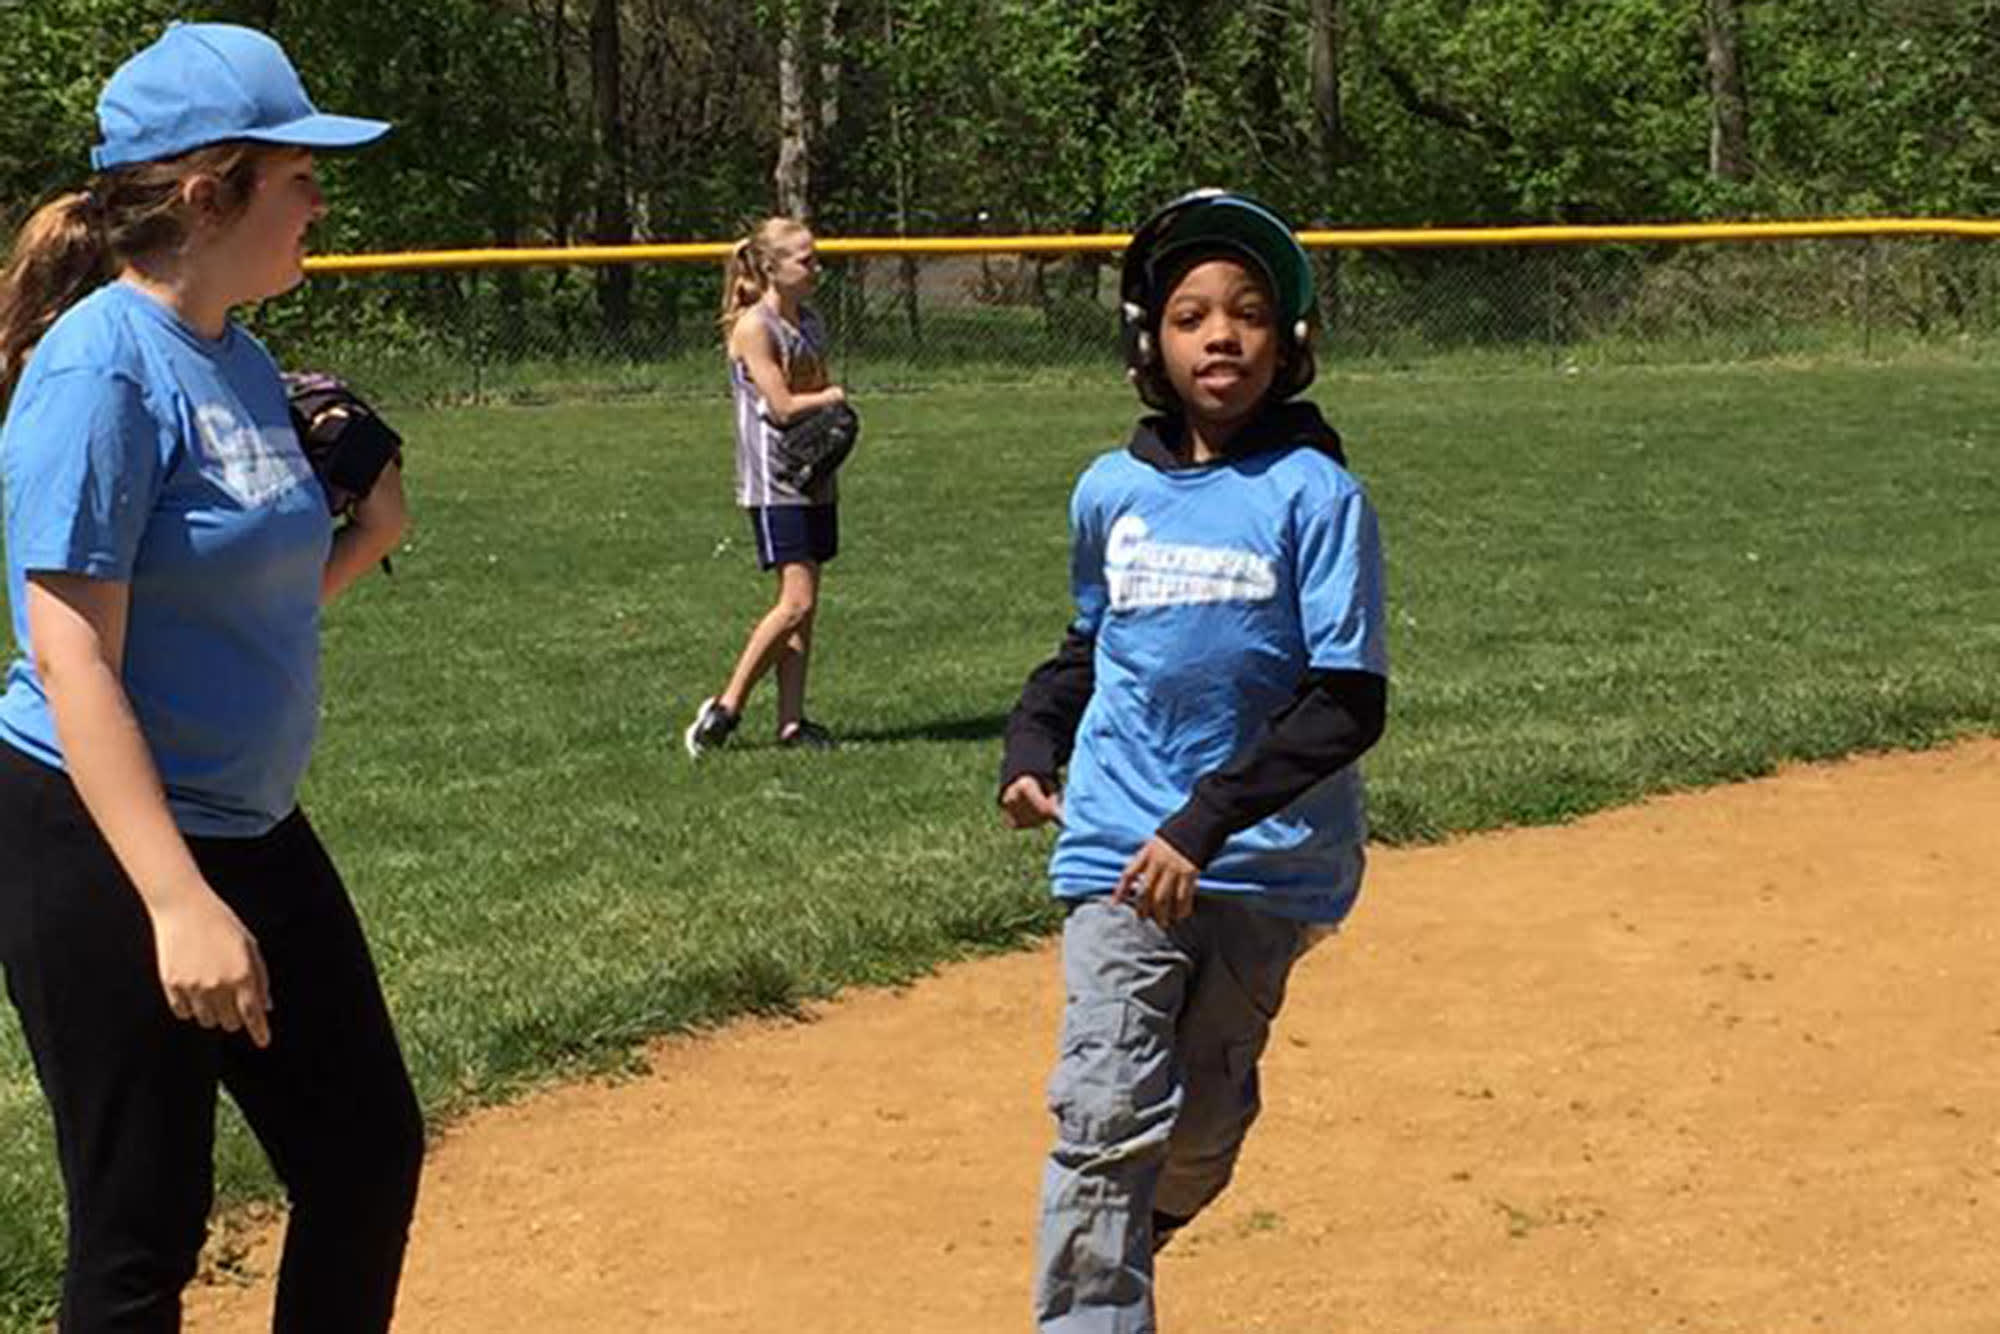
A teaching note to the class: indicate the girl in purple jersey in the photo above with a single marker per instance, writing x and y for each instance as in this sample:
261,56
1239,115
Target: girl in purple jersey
777,374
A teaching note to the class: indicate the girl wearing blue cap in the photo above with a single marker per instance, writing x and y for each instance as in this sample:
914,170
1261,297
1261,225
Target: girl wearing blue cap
168,920
1223,673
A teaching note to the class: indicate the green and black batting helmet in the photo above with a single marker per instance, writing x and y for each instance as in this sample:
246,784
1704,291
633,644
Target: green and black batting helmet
1210,221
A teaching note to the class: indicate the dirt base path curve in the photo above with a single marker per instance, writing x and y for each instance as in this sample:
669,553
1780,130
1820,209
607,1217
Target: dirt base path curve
1726,1061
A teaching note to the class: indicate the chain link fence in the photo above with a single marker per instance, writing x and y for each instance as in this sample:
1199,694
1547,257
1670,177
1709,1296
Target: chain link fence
908,322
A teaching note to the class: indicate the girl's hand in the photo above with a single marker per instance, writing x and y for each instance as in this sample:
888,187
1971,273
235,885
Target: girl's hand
210,966
1027,803
1158,883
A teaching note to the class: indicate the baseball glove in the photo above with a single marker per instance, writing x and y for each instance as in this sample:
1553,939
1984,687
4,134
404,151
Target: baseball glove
345,440
812,447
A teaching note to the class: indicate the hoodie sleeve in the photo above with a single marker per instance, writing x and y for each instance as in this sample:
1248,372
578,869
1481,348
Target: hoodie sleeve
1330,722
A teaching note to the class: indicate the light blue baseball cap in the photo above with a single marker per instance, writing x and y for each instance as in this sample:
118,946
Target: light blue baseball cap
206,83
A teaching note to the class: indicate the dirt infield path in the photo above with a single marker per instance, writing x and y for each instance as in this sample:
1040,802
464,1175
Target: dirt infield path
1726,1061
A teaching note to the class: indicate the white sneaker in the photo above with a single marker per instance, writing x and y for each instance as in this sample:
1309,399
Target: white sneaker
710,729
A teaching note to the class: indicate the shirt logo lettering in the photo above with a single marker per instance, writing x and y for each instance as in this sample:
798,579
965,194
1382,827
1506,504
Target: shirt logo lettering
1143,573
255,466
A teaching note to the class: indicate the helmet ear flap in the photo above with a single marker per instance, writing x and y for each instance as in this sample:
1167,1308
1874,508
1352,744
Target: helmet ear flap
1135,339
1300,363
1142,357
1300,368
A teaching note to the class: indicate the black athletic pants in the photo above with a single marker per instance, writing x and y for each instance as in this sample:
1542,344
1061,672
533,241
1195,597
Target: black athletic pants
132,1088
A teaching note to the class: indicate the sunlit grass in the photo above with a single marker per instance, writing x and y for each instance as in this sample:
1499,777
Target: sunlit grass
1603,584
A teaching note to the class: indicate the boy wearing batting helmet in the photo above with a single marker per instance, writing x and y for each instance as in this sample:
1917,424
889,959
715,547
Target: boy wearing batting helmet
1224,671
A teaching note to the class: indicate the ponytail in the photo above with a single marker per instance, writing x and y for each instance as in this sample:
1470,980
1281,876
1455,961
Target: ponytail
60,256
77,242
742,284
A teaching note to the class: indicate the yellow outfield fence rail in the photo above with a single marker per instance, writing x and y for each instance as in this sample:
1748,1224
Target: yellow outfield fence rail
908,312
1111,243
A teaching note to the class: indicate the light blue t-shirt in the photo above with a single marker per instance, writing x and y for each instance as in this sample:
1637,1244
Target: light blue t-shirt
1210,592
138,451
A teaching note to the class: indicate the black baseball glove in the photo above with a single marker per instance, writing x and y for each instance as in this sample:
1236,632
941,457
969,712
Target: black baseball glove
345,440
815,445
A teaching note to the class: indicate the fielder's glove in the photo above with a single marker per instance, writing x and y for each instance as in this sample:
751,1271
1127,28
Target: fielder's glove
815,445
345,440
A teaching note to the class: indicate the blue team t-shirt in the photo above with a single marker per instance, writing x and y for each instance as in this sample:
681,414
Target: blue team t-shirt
1210,592
138,451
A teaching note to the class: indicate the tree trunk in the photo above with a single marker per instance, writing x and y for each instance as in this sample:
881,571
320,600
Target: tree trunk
829,70
913,319
1329,137
614,210
1728,102
513,292
899,153
569,188
1324,39
827,167
1274,135
792,175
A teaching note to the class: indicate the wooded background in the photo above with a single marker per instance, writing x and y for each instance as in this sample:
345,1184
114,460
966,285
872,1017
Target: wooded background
558,121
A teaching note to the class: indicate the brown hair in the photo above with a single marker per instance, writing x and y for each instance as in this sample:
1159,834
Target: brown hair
747,274
79,241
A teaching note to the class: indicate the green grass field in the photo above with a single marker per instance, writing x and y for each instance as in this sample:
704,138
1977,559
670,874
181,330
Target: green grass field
1603,584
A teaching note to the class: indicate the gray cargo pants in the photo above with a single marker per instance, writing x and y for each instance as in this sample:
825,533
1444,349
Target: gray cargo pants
1154,1088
